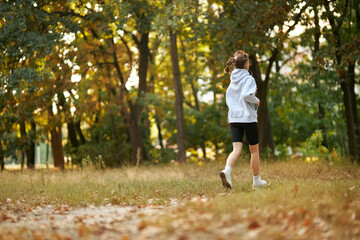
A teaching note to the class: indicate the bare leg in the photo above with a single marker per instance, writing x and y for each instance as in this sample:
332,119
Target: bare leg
255,159
235,154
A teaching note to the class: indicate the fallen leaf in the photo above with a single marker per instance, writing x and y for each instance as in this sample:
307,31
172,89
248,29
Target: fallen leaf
5,217
125,237
28,209
82,231
183,237
142,225
307,222
253,225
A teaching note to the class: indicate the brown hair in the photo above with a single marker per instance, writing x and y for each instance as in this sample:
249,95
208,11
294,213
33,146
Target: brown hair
240,58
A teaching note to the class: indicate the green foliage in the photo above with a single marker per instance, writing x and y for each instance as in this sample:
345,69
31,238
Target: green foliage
165,155
282,151
313,147
113,152
294,107
95,163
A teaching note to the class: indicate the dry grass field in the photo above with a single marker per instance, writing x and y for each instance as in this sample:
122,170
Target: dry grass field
317,200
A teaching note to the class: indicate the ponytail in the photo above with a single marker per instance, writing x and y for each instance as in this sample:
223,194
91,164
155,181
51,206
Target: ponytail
240,59
231,61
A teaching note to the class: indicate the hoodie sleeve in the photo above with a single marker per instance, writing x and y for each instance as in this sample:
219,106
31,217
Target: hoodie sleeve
250,90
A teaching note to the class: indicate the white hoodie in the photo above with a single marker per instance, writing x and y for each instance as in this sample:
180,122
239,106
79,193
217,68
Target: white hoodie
240,97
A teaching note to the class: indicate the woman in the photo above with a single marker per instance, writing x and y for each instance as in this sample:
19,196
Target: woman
243,105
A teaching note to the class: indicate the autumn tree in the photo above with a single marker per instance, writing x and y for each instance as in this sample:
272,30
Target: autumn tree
345,51
29,36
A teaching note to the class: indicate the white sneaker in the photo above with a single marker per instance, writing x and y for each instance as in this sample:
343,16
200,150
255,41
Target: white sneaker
225,178
259,184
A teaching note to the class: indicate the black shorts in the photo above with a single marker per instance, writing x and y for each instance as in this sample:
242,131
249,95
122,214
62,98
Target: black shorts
251,129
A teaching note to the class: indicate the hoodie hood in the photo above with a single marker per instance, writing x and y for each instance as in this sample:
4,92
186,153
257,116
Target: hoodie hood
238,75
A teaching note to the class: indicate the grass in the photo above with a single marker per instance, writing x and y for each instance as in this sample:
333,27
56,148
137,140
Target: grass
161,183
125,186
316,200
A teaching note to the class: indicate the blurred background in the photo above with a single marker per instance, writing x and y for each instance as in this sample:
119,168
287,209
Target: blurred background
142,82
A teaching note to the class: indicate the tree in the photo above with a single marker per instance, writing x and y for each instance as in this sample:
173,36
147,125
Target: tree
29,37
180,134
179,98
337,34
101,70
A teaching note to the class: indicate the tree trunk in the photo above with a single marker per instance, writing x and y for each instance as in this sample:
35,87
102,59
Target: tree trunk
56,142
203,148
266,138
143,88
57,150
23,138
158,125
321,109
144,54
266,135
30,151
351,77
135,134
79,132
2,158
143,62
72,134
138,153
180,135
349,117
73,141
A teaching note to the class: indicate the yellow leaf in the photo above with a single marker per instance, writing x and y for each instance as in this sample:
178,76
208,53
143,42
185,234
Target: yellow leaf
72,5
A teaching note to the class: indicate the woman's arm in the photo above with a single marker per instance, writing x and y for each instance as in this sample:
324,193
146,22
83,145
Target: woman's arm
249,91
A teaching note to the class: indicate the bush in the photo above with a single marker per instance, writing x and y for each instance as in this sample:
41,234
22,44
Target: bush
313,149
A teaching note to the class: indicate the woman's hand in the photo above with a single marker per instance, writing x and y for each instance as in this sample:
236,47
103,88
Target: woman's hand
258,104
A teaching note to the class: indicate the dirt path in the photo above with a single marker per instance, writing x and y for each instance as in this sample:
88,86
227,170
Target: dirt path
106,222
17,221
